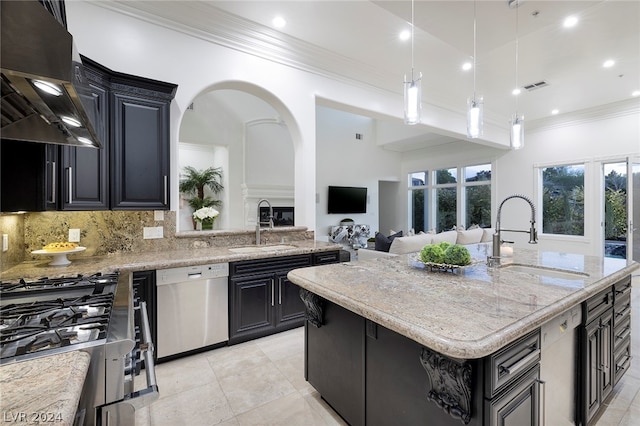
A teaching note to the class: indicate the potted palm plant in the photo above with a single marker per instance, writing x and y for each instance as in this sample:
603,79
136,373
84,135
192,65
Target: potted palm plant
193,183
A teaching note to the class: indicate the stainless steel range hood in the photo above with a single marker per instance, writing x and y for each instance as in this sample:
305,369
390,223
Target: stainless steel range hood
42,80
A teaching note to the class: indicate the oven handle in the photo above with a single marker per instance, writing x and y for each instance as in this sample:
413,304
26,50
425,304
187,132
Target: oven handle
147,347
123,411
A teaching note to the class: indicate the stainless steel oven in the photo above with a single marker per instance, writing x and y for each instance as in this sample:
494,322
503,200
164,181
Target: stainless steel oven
96,314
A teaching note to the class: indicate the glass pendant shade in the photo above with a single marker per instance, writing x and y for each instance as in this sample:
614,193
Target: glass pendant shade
475,109
412,100
517,131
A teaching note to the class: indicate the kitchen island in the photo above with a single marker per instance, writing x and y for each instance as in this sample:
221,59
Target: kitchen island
393,335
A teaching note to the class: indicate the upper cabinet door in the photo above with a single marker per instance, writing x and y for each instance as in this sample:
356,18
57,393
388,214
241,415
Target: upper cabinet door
140,153
85,171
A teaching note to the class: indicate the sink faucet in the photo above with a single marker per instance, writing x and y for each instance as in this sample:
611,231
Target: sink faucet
259,219
497,238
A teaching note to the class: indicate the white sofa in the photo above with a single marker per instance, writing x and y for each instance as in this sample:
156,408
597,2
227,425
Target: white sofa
414,243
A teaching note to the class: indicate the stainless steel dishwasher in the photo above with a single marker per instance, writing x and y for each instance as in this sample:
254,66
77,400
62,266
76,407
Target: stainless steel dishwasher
192,308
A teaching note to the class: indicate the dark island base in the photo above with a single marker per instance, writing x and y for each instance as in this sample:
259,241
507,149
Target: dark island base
371,375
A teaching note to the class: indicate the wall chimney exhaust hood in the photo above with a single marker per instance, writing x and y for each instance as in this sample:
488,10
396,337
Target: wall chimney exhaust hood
42,80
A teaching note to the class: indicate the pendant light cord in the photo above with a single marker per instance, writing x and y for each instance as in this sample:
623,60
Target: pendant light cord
412,36
517,44
474,50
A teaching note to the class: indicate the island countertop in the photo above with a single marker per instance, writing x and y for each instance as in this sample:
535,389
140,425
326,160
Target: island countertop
468,314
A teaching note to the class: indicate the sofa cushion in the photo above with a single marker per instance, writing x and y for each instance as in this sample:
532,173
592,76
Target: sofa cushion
404,245
383,243
487,235
448,236
470,236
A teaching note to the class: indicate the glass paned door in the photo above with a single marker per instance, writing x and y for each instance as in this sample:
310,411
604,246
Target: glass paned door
634,233
615,210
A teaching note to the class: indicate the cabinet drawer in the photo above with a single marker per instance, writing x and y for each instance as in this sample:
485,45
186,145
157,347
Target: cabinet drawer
622,307
272,264
622,360
596,305
506,365
622,288
326,257
622,331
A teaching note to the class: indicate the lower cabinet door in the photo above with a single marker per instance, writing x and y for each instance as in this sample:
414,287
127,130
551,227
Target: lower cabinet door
289,306
518,405
335,364
252,299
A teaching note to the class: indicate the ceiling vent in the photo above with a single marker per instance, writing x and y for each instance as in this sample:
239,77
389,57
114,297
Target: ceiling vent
535,86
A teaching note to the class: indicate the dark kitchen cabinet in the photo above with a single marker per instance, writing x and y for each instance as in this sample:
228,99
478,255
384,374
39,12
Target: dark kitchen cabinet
605,347
372,375
85,172
140,149
335,362
27,171
262,300
129,172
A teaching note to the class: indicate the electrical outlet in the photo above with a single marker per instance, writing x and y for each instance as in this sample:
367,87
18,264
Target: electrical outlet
152,232
158,215
5,242
74,235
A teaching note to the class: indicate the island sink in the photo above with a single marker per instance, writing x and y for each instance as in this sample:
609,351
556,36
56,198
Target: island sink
544,271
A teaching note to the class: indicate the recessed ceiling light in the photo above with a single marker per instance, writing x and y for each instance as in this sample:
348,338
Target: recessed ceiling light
570,21
635,93
467,66
516,91
404,35
608,63
279,22
554,111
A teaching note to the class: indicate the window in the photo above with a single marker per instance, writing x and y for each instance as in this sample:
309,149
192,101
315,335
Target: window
563,200
444,198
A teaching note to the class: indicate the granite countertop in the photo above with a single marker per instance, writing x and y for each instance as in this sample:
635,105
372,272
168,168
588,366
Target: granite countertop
44,390
161,260
469,314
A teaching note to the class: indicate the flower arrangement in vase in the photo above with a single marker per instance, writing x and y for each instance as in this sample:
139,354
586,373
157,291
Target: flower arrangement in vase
205,216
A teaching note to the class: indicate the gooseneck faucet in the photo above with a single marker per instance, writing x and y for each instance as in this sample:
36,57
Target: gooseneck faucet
259,219
497,236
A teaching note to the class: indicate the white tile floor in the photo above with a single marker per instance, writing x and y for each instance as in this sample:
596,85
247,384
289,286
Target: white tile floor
261,383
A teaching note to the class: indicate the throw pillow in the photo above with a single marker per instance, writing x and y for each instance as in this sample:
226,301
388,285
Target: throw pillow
470,236
449,236
404,245
383,243
487,235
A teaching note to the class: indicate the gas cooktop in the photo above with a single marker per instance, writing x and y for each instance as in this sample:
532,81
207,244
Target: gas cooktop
52,315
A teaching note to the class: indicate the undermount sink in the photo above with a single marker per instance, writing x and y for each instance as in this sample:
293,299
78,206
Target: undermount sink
258,249
545,271
245,249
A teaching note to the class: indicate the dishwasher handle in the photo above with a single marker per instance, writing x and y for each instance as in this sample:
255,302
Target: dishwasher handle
194,275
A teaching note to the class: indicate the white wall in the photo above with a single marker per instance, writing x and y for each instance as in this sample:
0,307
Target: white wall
343,160
130,45
586,138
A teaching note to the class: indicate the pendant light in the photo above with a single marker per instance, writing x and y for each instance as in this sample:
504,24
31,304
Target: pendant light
412,88
475,105
517,121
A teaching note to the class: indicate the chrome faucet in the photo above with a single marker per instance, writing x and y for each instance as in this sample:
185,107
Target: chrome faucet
259,219
497,236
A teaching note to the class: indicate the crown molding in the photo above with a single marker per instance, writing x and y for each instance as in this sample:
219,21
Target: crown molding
574,118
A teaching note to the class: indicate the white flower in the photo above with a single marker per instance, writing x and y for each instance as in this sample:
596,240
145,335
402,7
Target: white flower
205,213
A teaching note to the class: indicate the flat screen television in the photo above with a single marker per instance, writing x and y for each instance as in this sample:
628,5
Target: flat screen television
347,199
